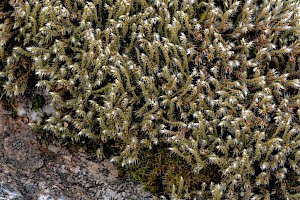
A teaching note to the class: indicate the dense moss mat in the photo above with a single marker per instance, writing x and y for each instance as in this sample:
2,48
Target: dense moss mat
158,171
193,98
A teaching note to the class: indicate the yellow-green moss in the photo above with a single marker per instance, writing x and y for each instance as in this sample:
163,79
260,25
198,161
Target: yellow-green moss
213,83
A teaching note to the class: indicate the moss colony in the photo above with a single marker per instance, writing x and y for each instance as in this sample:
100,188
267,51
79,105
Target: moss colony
197,99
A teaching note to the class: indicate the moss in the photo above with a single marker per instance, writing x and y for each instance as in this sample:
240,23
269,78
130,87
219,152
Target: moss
2,91
9,101
11,108
293,180
38,101
158,170
196,78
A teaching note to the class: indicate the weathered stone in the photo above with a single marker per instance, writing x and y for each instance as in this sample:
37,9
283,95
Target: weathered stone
22,152
53,148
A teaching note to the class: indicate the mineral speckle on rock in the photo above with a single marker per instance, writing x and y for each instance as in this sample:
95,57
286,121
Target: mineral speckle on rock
22,153
20,146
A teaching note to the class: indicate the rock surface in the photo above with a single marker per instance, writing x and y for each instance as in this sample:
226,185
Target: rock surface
30,170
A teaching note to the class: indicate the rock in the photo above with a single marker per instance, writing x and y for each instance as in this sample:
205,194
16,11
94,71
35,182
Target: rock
53,149
98,193
21,149
67,158
93,167
9,191
111,169
109,193
147,195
